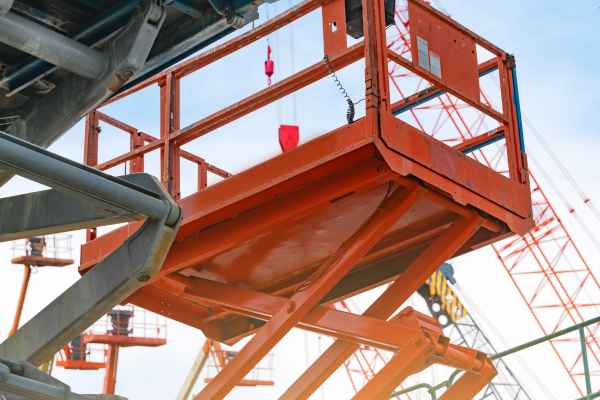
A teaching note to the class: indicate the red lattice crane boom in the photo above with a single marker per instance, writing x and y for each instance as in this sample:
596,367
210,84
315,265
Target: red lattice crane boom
546,265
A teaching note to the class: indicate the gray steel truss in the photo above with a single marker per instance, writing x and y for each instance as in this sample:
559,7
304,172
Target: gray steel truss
466,332
97,73
113,279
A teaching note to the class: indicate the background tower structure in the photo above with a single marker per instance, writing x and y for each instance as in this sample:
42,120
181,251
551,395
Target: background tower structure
212,355
365,362
546,266
44,251
99,346
462,329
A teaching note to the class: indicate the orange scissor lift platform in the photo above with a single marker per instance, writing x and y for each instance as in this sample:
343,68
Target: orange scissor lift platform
373,202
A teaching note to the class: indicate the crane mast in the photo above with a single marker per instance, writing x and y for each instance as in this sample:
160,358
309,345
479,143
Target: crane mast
546,265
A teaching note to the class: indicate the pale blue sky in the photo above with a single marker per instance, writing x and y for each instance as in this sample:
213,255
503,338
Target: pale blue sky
556,45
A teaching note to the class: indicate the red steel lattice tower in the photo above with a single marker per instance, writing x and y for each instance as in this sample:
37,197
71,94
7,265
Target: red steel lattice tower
365,362
546,266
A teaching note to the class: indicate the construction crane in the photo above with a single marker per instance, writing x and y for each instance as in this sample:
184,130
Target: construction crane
548,269
463,330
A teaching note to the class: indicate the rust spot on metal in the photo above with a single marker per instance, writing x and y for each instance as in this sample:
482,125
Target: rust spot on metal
122,78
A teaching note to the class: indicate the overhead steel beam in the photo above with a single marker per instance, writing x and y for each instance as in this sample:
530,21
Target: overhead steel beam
107,195
205,28
191,37
96,31
120,274
44,121
51,46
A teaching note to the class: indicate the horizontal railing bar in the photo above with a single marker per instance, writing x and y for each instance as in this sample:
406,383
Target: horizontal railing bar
545,338
155,143
267,96
131,155
475,103
480,141
590,396
433,92
450,381
115,122
208,57
193,158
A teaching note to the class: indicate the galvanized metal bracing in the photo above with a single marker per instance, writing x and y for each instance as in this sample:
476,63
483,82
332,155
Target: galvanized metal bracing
117,276
22,380
5,6
109,195
50,211
44,121
91,34
110,282
51,46
186,38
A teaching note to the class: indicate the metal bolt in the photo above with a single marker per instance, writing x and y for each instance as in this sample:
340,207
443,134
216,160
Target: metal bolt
417,340
143,277
290,307
251,327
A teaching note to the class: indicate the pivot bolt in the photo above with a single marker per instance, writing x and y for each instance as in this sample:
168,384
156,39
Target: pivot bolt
290,307
143,277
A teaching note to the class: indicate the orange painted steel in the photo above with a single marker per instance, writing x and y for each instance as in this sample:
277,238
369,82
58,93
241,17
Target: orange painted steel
471,383
29,261
110,379
247,382
220,359
124,341
112,335
17,320
78,364
384,307
372,202
41,261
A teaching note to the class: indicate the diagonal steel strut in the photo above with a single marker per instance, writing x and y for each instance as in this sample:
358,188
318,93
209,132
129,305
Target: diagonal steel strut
438,252
308,294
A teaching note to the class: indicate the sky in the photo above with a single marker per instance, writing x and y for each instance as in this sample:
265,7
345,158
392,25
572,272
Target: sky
555,45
